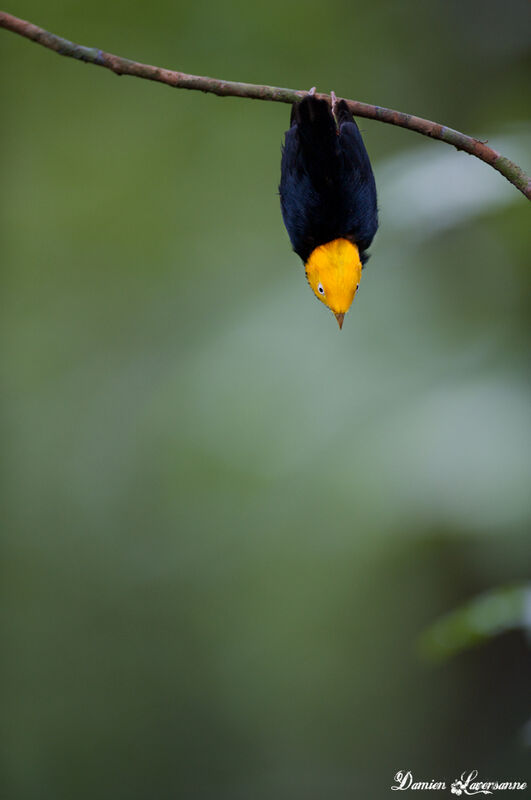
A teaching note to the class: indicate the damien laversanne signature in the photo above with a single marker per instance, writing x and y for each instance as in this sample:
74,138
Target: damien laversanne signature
467,784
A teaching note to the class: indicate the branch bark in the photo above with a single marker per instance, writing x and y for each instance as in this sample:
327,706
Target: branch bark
180,80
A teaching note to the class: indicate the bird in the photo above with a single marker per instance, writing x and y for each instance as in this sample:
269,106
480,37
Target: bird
328,198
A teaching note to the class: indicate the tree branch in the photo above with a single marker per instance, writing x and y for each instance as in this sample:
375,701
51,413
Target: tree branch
180,80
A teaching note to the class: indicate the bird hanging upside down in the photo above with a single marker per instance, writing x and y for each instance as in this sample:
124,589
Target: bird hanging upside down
328,198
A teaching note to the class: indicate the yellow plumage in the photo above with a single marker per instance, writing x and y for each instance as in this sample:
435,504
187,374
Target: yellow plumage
334,273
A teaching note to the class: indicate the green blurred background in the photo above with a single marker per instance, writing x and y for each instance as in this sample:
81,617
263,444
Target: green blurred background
225,523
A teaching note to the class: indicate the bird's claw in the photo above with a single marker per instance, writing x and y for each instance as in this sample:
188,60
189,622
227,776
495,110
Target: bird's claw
312,91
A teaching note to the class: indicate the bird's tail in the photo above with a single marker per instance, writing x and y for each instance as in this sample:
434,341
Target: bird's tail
314,118
317,134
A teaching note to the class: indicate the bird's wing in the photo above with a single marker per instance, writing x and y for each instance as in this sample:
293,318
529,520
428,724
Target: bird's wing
358,187
310,174
299,200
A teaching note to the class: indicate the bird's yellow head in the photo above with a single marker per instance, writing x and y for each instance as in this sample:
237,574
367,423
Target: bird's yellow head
334,273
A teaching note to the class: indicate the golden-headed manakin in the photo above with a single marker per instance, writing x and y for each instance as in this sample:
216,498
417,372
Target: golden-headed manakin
328,198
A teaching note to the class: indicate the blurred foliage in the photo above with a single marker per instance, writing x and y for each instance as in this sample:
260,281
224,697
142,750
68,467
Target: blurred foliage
225,524
495,612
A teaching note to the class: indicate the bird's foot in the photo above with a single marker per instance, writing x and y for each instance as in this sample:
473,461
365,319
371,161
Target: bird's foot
334,102
312,91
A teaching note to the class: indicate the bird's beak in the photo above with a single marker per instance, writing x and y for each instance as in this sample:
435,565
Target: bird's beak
340,318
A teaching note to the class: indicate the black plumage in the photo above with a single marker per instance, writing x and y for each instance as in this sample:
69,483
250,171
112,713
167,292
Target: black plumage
327,188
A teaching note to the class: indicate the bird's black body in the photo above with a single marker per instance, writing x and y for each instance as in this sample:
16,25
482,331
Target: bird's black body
327,188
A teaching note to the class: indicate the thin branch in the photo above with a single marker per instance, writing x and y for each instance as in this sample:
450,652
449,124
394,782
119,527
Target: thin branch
180,80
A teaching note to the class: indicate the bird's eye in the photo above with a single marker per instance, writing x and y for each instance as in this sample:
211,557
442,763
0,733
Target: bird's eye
320,288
